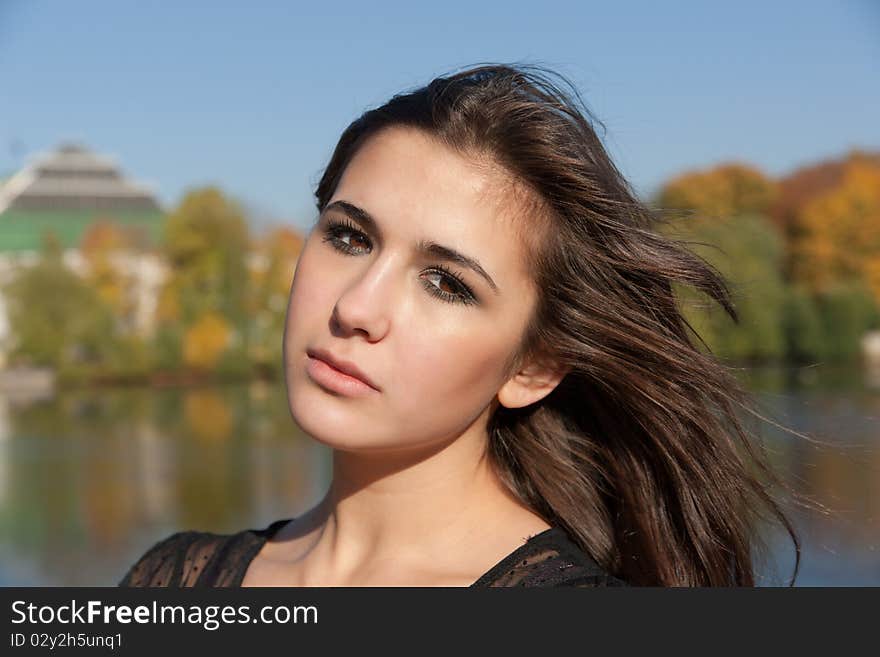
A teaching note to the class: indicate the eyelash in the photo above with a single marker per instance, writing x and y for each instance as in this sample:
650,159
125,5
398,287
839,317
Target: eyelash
465,296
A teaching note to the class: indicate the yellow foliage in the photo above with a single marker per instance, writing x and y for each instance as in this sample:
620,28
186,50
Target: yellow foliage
839,238
872,276
98,244
205,341
101,238
288,241
720,192
286,246
168,306
112,287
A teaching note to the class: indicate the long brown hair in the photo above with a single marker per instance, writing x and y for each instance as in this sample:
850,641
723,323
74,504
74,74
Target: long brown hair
638,452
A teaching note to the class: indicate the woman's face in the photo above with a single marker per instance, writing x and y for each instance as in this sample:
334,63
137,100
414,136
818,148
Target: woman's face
434,347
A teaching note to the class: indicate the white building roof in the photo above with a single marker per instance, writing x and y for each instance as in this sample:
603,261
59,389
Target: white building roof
72,177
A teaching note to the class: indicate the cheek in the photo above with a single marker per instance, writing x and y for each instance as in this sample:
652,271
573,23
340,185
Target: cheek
442,383
445,381
308,297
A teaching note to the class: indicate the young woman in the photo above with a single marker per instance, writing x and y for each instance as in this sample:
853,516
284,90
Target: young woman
483,327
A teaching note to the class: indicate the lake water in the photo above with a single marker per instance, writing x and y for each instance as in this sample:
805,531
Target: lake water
89,479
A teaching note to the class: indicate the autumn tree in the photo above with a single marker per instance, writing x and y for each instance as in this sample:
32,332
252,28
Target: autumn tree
205,341
720,192
206,242
722,216
747,250
275,260
102,246
839,240
57,319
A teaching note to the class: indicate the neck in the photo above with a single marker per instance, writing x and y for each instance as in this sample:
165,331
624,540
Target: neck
416,506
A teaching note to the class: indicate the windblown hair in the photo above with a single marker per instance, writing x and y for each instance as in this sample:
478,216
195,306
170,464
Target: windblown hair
639,452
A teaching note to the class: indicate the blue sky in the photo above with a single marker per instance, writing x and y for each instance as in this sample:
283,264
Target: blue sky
253,95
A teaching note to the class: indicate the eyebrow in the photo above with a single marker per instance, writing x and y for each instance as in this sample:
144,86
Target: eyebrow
425,247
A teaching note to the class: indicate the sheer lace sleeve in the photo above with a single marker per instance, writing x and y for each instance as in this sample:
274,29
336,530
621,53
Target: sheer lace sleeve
176,561
546,566
551,559
203,559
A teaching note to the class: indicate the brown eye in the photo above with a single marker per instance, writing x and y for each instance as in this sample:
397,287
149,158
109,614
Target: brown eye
336,231
436,277
356,239
458,291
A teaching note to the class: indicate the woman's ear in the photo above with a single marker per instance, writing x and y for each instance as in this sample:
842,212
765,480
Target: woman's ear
531,384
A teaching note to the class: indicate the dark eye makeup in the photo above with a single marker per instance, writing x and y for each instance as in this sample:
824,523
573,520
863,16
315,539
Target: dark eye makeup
335,230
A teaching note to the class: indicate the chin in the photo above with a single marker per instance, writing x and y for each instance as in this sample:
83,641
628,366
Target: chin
336,427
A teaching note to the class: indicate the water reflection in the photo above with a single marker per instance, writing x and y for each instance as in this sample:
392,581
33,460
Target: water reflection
838,466
90,479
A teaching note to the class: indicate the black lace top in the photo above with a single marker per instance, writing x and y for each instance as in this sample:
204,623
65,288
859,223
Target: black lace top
203,559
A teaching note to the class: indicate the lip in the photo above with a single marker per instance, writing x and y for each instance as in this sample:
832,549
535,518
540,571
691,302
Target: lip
341,366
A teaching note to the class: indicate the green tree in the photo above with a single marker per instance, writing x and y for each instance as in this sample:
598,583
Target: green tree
847,312
206,242
277,256
56,319
725,220
747,250
803,326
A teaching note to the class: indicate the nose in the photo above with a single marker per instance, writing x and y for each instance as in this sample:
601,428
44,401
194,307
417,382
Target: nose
364,306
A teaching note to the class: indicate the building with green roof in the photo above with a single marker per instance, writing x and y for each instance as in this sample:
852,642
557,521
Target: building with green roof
67,190
63,193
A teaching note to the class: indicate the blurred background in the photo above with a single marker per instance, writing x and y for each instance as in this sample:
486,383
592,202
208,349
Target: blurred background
157,162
